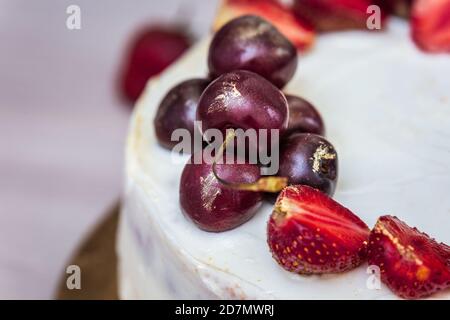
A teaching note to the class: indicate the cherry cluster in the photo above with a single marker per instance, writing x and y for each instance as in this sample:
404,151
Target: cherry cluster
249,61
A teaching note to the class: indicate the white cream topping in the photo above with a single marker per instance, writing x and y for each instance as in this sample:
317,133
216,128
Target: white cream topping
386,108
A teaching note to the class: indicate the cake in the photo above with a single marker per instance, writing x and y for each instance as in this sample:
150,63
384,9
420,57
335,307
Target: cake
387,109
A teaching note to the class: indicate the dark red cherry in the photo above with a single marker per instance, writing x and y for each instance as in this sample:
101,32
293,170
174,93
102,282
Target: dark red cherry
153,50
251,43
303,117
212,205
245,100
400,8
178,110
311,160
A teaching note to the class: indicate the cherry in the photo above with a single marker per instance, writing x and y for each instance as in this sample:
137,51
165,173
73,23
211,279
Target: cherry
398,7
212,205
245,100
309,159
251,43
221,196
153,50
303,117
178,110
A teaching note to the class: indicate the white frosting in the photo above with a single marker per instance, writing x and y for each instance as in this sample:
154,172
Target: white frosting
386,106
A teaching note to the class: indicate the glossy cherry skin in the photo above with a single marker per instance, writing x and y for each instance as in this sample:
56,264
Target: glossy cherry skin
251,43
311,160
303,117
245,100
178,109
211,205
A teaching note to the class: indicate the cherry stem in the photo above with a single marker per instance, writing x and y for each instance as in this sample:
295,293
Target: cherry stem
265,184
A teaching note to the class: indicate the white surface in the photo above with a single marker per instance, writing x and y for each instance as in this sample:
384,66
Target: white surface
62,127
386,106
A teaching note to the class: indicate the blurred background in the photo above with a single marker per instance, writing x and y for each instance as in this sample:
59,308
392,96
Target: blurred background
63,126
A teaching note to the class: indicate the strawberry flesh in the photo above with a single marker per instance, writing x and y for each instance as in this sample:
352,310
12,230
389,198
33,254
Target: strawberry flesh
283,18
333,15
308,232
430,25
412,264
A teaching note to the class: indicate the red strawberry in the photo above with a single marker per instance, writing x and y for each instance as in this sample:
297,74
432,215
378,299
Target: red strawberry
412,264
299,33
430,22
308,232
151,52
331,15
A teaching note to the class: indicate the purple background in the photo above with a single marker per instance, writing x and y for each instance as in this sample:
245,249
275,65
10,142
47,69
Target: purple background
63,128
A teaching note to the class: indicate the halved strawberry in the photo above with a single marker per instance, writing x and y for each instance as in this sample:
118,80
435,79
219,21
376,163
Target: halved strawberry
332,15
298,32
430,23
308,232
412,264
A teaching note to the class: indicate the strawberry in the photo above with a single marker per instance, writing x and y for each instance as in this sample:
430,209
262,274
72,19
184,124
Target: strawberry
412,264
298,32
430,24
331,15
153,50
308,232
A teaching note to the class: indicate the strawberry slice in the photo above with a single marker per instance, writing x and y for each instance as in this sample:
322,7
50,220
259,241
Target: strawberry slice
298,32
308,232
333,15
412,264
430,23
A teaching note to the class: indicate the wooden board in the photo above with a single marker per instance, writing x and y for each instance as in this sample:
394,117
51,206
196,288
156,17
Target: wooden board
97,260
